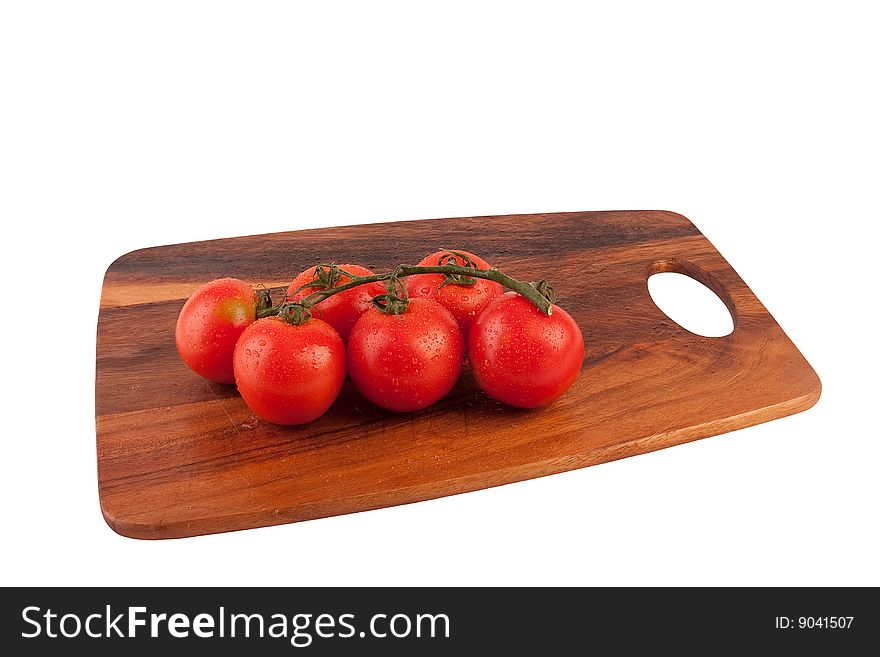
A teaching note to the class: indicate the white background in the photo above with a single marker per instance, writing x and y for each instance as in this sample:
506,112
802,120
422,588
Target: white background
125,125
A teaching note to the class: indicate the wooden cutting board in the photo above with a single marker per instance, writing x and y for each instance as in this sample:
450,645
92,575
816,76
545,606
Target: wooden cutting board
178,456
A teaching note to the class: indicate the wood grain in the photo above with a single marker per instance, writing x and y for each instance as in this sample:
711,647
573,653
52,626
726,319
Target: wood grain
178,456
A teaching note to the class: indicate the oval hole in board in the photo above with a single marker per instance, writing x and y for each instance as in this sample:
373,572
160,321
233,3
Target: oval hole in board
690,304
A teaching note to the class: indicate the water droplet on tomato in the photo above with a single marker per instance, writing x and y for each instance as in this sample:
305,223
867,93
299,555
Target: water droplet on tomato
262,343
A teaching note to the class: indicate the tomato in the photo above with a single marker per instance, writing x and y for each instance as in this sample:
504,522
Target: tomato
341,310
408,361
210,323
522,357
289,374
464,301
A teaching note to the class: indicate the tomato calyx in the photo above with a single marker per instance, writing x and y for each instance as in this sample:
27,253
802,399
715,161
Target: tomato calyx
295,313
452,258
395,299
327,276
264,300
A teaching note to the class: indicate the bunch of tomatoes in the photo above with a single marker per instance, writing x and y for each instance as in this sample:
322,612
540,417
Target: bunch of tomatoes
403,345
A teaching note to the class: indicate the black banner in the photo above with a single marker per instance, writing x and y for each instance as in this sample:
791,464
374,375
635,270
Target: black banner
437,621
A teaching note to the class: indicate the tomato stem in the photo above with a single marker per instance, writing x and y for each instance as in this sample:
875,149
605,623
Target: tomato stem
540,293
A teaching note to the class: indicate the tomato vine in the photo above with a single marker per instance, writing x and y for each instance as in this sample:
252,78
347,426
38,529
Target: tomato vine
395,299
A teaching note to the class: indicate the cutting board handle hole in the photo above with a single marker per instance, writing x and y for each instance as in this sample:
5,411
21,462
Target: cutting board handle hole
691,298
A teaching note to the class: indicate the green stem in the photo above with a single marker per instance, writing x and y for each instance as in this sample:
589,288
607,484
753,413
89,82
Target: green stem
543,299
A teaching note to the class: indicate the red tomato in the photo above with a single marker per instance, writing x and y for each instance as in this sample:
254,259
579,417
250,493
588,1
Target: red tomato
341,310
522,357
408,361
289,374
209,325
464,301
